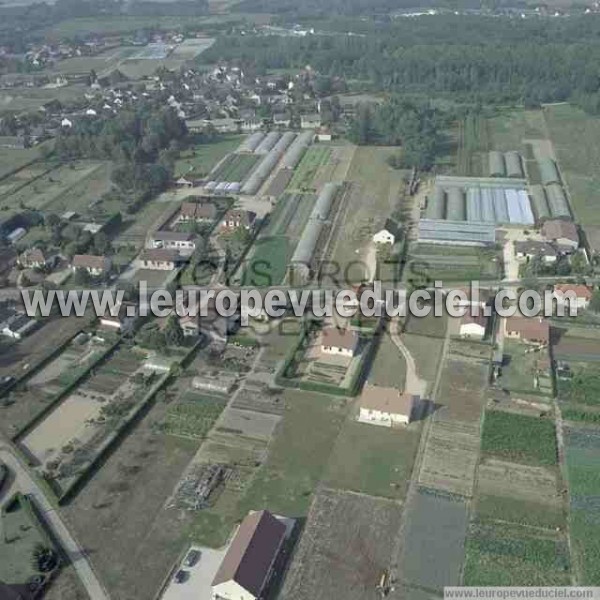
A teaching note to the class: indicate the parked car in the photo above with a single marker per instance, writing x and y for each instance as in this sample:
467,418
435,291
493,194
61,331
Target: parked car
193,556
181,576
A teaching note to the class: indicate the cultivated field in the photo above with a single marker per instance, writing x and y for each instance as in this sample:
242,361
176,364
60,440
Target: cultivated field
503,555
304,175
433,540
346,545
235,168
521,372
583,472
193,415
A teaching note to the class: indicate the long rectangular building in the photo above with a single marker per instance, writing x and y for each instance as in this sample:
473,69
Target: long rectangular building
456,233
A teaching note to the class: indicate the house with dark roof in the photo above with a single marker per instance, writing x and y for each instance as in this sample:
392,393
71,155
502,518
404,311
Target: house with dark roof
248,564
236,219
94,265
563,233
197,212
159,259
531,330
32,258
529,249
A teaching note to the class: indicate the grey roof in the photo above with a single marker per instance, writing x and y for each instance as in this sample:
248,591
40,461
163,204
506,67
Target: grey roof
557,201
548,171
539,202
268,143
296,151
497,167
514,165
461,232
314,226
251,143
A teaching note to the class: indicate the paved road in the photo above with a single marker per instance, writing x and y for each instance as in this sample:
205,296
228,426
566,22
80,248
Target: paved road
76,554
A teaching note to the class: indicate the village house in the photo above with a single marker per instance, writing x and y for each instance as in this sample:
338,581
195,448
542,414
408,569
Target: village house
94,265
124,321
340,342
386,406
531,330
197,212
384,237
251,124
248,565
159,259
174,240
183,182
530,249
190,326
562,233
234,219
582,294
324,134
312,121
473,327
33,258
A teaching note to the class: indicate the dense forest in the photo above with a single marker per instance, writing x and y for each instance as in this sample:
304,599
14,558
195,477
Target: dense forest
471,59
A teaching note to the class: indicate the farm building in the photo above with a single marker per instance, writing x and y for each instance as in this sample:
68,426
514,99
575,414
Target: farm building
94,265
197,212
248,564
497,166
557,201
251,143
530,249
269,162
386,406
563,233
582,293
531,330
473,327
384,237
539,203
160,259
174,240
235,218
456,232
514,165
305,249
296,151
548,171
498,201
339,341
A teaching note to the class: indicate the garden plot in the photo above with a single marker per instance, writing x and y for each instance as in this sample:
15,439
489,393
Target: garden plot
433,540
235,168
193,415
66,441
450,457
519,438
523,369
68,365
260,400
305,174
506,555
336,168
345,548
521,494
249,424
582,446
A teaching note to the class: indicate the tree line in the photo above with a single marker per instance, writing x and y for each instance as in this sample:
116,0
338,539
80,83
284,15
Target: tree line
471,59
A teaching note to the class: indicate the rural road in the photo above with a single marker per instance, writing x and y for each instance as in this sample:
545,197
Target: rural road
76,554
414,384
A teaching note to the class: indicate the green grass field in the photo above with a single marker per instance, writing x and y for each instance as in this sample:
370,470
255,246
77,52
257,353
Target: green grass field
520,369
508,129
389,367
576,139
268,263
372,460
200,160
303,179
519,511
235,167
519,438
